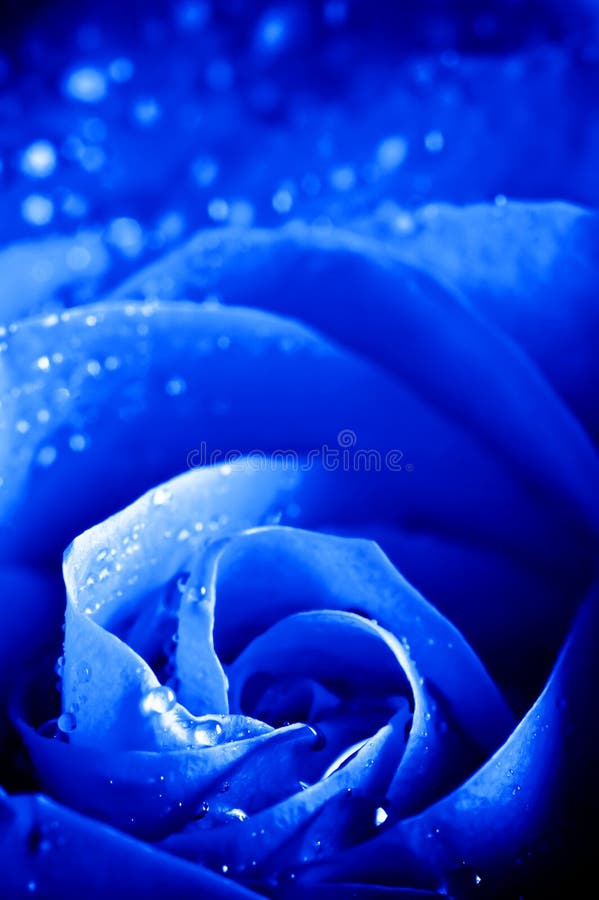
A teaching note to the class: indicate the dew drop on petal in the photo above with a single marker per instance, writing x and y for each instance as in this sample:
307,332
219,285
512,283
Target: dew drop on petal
93,368
175,386
161,496
282,201
85,672
86,84
237,814
391,152
37,209
182,580
158,700
78,442
207,733
121,69
380,816
39,159
67,722
218,209
434,141
47,456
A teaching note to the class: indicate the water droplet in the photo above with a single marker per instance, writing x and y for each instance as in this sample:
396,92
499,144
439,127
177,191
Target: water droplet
183,535
343,178
121,70
218,209
282,201
67,722
204,171
111,363
127,236
380,816
175,386
22,426
158,700
47,456
206,733
182,580
39,159
238,814
147,111
319,738
37,210
434,141
391,152
224,869
161,496
78,442
85,672
203,810
86,84
93,368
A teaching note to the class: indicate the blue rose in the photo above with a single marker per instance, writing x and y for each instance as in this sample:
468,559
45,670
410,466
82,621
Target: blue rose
325,495
253,697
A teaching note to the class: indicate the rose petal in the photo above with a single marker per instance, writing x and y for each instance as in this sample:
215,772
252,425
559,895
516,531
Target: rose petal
51,851
358,293
107,386
524,816
521,264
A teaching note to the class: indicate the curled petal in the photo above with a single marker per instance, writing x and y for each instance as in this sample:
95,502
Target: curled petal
524,816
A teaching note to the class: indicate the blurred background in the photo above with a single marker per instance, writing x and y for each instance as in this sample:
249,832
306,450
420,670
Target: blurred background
126,126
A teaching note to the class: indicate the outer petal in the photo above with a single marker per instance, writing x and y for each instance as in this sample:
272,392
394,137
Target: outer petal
406,321
48,851
79,435
530,268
